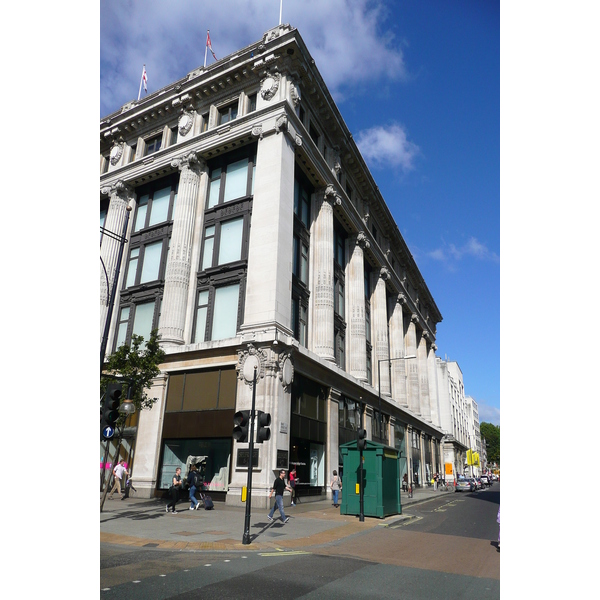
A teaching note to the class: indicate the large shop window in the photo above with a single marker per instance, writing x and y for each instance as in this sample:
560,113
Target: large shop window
212,457
308,434
400,445
197,425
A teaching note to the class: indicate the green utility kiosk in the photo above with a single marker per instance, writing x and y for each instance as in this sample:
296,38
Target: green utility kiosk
381,480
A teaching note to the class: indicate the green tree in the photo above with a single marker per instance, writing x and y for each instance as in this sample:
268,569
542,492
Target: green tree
491,433
139,365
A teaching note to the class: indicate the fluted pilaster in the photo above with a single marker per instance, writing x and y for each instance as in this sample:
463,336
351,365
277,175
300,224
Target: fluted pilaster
355,286
397,367
424,378
120,196
323,283
412,366
380,331
179,264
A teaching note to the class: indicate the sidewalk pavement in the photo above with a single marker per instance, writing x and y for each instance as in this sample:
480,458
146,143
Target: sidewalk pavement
144,523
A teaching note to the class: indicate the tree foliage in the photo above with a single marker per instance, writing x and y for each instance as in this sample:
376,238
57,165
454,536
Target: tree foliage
138,365
491,433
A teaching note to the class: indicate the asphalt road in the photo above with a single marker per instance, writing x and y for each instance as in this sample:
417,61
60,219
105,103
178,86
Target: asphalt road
446,551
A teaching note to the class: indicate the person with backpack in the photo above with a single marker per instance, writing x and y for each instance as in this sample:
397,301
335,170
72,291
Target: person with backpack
193,484
336,486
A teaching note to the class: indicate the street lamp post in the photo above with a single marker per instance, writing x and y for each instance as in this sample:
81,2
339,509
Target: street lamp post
111,293
388,360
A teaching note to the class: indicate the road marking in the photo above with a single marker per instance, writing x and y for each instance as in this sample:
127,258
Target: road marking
404,523
283,553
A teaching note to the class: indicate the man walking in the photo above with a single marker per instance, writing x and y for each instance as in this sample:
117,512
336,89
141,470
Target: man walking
279,487
118,472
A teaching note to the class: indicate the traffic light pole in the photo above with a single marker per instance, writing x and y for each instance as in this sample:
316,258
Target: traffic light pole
246,537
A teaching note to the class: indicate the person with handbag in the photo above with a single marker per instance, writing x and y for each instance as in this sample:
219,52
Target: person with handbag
193,485
336,486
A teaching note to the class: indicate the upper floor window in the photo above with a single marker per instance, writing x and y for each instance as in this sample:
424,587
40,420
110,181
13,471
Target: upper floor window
217,312
251,103
314,134
228,113
146,262
204,125
302,202
231,181
223,242
174,133
155,206
138,319
153,144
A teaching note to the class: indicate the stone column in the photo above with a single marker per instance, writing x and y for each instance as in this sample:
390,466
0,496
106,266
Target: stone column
269,281
148,440
423,377
355,289
412,366
397,367
434,398
379,328
179,263
120,196
322,273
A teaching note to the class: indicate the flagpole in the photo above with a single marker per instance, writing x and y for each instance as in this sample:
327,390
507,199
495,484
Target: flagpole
280,10
206,49
141,81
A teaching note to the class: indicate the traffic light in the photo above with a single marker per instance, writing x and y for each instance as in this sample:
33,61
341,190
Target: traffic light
361,443
263,433
110,409
241,421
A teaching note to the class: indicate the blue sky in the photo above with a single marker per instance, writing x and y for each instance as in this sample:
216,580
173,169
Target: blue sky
418,84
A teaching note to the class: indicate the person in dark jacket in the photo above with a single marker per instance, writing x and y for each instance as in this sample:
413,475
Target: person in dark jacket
279,487
193,485
174,490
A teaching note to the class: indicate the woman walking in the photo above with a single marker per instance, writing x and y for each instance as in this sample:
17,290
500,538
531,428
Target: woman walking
336,486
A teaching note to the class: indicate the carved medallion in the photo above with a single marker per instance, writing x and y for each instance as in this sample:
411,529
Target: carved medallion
115,154
185,123
270,85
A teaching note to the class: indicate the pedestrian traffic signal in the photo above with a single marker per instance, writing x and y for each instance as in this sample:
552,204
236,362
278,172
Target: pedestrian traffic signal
110,408
361,443
263,433
241,422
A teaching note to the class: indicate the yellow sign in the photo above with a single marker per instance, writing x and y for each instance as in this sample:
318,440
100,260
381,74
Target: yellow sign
469,457
358,488
448,467
244,493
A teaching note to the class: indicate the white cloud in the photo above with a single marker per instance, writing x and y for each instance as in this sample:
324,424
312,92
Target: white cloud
387,146
487,413
350,40
473,248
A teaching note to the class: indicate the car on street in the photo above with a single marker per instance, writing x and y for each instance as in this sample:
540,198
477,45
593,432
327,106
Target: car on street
478,483
465,485
485,480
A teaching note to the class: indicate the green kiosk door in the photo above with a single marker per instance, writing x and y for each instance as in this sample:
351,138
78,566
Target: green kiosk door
381,480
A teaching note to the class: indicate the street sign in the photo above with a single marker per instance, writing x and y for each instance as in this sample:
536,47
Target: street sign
108,432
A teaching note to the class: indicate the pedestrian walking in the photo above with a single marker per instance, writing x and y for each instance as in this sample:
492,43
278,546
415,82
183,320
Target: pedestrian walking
498,521
293,481
336,486
193,485
174,490
279,487
118,473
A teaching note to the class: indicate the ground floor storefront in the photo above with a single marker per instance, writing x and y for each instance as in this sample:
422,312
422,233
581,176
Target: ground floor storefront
314,410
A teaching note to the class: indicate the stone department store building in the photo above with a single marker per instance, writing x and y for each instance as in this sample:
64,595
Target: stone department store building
257,237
